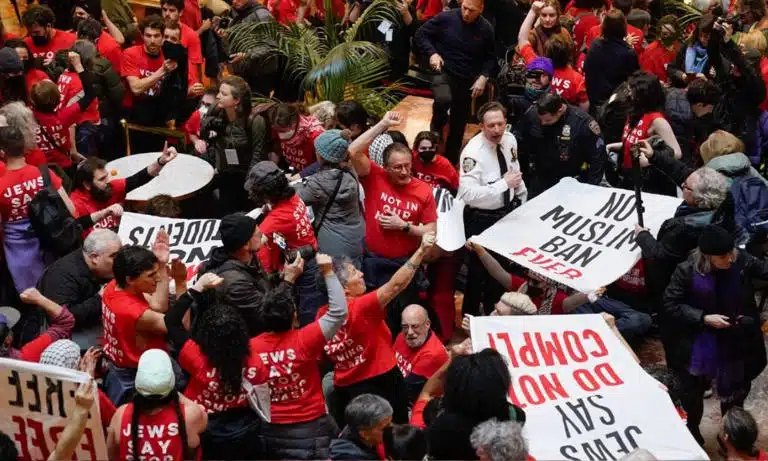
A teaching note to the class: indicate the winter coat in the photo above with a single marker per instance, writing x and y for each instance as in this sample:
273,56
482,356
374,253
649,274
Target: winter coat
247,137
349,446
307,440
608,64
108,87
735,166
343,227
683,317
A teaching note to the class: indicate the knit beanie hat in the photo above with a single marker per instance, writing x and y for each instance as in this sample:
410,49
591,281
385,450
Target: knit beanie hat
376,150
92,7
519,303
235,230
331,146
715,241
154,375
543,64
10,62
63,353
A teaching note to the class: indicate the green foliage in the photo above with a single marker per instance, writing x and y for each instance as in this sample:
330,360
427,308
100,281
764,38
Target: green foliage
329,63
685,12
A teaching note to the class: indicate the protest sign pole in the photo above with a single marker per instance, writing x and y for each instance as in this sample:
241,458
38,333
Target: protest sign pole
638,182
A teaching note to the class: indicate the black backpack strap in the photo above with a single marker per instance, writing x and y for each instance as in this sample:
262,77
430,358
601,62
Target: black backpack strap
46,174
330,201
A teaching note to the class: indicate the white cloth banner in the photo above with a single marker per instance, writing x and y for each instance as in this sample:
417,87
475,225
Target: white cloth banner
584,395
450,220
577,234
190,240
35,404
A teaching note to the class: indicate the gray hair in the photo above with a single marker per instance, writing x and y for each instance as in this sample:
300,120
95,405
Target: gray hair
366,411
98,240
639,454
18,115
86,50
500,440
702,263
709,188
341,268
325,113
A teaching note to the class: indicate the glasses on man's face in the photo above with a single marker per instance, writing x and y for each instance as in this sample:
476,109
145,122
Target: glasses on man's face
406,327
687,187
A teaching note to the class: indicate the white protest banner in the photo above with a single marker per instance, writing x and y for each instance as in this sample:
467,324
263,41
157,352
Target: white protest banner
190,240
450,220
35,404
584,395
577,234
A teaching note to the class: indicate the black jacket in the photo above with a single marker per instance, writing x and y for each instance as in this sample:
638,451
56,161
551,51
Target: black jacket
349,446
108,87
244,286
68,281
609,63
682,322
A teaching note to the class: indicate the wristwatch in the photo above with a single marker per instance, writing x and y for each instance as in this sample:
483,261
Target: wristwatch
407,227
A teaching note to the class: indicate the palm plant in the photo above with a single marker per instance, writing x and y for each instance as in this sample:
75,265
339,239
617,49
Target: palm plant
684,10
327,62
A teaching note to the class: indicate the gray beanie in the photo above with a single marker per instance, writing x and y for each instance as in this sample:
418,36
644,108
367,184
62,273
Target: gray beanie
331,146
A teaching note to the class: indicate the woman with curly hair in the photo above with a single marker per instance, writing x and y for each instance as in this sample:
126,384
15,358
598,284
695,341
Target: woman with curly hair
288,356
215,355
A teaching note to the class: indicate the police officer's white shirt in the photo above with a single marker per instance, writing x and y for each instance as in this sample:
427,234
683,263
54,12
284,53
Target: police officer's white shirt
480,181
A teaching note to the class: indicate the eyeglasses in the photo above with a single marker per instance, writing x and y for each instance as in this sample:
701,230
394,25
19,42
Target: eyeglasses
406,327
687,187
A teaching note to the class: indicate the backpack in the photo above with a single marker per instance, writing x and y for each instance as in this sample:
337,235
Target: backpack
59,233
750,206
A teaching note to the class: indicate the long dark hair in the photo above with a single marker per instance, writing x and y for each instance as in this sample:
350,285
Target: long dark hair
486,378
143,404
223,338
647,95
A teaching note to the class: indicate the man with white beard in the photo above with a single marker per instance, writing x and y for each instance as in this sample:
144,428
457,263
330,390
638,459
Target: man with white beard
418,351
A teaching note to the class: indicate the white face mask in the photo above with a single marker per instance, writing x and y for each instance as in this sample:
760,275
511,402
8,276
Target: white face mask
285,135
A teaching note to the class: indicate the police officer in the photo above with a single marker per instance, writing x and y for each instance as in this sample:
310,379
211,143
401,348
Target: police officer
560,141
491,185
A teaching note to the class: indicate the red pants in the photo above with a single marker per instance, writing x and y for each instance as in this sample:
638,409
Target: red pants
442,280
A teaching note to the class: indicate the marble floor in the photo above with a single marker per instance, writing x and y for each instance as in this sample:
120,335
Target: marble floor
652,353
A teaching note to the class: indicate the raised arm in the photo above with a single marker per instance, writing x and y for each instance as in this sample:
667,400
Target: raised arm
112,29
73,431
159,299
140,85
404,275
492,266
358,149
331,321
530,19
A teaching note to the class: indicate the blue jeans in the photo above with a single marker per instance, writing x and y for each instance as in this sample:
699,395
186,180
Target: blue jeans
308,297
629,322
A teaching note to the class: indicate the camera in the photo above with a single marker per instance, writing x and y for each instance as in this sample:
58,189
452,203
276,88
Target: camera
224,22
307,252
733,20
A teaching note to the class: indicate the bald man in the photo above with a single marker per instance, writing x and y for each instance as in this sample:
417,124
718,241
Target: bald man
418,350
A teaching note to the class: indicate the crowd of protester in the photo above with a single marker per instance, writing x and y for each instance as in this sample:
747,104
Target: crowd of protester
336,298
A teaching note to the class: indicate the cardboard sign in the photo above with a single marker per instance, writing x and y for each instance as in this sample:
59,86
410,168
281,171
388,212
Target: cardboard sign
577,234
35,403
585,396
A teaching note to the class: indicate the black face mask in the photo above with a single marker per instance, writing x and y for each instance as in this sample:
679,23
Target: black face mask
75,21
40,41
101,195
427,156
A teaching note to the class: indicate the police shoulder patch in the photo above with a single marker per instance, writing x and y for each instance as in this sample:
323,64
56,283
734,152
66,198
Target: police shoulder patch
594,127
468,164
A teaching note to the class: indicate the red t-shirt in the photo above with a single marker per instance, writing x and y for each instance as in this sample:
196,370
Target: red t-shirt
34,76
55,142
417,414
290,360
289,218
631,30
61,40
437,173
85,204
204,386
638,133
583,25
35,157
557,300
634,280
191,41
71,90
137,63
159,435
123,344
192,16
413,202
528,53
655,59
424,360
18,187
284,11
362,348
192,126
299,150
110,49
570,85
430,7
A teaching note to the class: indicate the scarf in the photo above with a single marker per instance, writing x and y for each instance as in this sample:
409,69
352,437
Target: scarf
696,59
542,36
